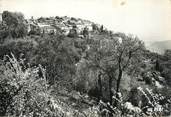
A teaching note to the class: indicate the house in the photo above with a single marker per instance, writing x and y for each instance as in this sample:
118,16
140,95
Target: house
45,28
32,26
0,17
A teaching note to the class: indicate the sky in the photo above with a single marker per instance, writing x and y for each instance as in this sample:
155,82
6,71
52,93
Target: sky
150,20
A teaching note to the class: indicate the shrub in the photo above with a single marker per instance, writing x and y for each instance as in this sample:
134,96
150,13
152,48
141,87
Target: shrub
23,87
15,24
26,93
25,47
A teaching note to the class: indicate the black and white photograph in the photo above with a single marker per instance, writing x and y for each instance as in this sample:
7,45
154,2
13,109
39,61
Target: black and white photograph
85,58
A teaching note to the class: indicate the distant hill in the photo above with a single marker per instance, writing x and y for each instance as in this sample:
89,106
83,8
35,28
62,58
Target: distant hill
159,46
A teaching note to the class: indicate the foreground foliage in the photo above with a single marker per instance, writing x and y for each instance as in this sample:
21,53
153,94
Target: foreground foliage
25,92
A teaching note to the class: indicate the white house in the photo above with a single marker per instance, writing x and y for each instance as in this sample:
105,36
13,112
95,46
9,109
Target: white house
0,17
45,28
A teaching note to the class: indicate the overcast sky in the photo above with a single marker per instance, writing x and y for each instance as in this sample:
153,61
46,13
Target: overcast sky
149,19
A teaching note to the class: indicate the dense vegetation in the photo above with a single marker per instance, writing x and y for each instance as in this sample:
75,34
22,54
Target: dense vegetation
94,73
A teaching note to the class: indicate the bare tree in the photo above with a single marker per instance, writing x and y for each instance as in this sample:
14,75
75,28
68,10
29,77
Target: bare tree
112,55
128,53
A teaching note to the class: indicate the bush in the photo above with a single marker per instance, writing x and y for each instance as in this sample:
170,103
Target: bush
26,93
165,66
16,25
3,32
73,33
58,55
26,47
23,88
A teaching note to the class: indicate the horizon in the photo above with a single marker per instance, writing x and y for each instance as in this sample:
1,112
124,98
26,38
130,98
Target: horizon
148,19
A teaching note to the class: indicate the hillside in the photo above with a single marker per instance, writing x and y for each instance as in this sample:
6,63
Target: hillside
71,67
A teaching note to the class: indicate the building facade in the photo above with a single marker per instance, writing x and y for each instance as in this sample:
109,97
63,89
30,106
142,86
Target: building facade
0,17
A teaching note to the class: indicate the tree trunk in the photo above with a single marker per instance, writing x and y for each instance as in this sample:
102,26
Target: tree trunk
157,66
118,85
119,81
110,89
100,86
110,95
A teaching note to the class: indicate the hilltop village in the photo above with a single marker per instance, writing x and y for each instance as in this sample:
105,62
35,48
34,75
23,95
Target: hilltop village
54,25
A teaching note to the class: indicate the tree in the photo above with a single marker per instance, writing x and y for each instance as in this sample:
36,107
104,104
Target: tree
15,23
95,28
99,57
128,53
85,32
101,28
73,32
167,54
157,65
112,55
59,55
3,31
165,65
